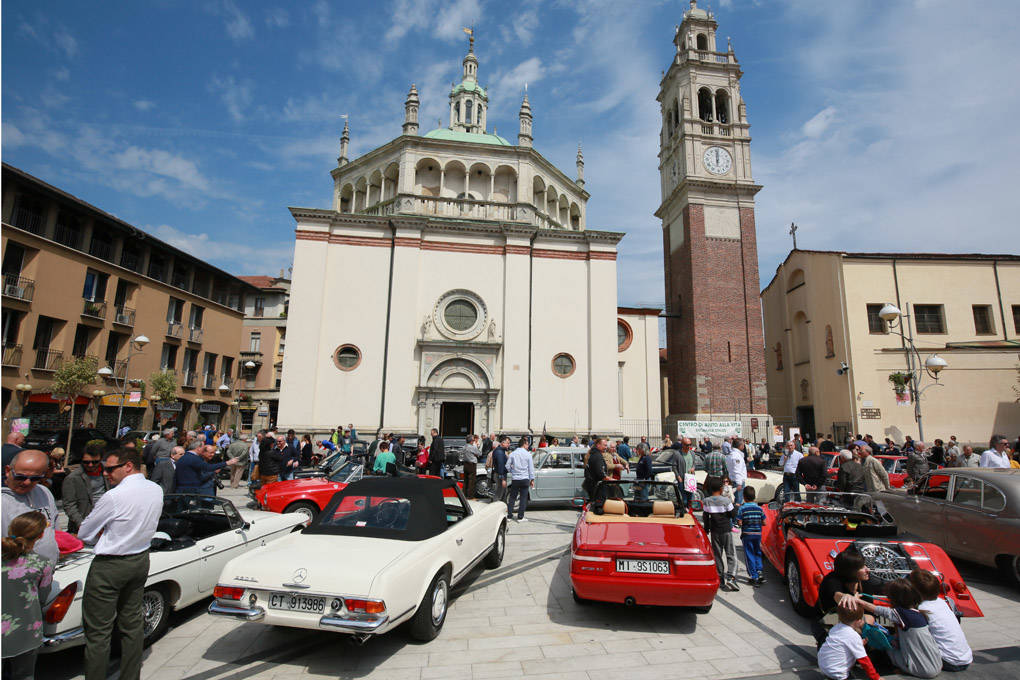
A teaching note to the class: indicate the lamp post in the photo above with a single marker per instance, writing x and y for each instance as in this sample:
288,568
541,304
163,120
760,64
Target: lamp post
933,365
136,346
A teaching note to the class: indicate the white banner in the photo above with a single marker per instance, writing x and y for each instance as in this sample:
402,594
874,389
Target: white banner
708,428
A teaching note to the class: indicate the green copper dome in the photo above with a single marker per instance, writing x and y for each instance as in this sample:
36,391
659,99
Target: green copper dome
469,86
475,137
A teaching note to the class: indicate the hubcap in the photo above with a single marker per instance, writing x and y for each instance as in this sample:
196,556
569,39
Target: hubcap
793,579
439,602
500,542
309,515
1016,567
153,605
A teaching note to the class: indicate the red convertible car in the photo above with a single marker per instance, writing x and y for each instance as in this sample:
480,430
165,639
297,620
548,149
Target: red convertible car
310,495
802,538
637,544
896,466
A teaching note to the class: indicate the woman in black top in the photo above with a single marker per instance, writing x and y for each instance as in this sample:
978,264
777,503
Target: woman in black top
850,576
306,450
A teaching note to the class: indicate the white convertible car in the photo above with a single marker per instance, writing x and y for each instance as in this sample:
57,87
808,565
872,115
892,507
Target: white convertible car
384,551
196,536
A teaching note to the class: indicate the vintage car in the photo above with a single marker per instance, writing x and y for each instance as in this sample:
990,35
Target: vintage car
896,466
636,543
766,483
973,513
801,538
196,536
308,495
384,551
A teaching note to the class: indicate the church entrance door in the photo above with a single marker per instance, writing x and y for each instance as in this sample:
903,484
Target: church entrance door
456,418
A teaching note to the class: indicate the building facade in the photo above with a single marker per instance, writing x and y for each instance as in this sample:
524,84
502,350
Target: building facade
821,313
453,285
715,360
262,345
77,281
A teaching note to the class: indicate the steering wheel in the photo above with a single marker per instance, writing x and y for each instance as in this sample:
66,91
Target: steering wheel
388,513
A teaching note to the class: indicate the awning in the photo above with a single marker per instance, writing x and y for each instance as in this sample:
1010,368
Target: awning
123,399
47,398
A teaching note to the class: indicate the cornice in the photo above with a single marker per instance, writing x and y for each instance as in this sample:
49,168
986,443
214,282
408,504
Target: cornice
708,186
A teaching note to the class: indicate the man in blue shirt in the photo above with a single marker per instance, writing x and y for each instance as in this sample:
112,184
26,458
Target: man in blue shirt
623,449
499,458
521,470
195,474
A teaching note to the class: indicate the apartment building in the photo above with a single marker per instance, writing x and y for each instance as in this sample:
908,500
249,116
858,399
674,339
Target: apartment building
77,281
262,345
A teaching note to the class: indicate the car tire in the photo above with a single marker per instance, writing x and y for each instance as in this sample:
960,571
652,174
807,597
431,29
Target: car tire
431,614
578,599
156,613
305,508
795,587
495,556
1010,566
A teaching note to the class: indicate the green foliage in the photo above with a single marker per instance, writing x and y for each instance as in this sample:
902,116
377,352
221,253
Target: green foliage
900,381
139,444
73,375
164,385
95,447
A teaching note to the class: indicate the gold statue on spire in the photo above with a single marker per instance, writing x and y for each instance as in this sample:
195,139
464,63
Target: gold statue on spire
471,37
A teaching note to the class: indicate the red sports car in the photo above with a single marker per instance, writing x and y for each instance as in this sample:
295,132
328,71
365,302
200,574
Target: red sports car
638,544
310,495
896,466
801,540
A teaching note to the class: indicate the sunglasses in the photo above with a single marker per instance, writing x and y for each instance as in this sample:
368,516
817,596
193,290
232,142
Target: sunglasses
91,462
19,477
110,468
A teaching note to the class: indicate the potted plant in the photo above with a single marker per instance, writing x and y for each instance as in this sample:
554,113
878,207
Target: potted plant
900,382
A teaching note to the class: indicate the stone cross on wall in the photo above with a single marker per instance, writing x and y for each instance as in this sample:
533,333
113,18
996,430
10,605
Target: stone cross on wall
793,233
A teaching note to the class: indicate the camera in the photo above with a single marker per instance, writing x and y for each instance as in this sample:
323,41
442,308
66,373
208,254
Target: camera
843,368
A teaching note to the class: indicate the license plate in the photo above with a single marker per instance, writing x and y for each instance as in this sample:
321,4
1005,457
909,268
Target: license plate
643,566
293,602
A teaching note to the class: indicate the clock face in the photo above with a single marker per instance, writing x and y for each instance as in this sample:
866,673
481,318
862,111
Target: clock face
717,160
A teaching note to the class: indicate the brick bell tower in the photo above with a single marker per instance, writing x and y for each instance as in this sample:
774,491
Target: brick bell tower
715,355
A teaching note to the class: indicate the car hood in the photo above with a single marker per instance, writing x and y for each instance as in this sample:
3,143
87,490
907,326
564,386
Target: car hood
301,484
645,537
279,563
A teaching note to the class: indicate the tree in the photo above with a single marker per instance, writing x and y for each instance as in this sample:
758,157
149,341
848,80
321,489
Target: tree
164,385
68,381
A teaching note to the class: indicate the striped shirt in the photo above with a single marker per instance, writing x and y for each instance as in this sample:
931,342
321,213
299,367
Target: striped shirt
718,513
715,464
751,518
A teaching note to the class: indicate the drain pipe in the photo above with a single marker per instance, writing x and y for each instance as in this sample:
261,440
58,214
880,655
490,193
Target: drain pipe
386,334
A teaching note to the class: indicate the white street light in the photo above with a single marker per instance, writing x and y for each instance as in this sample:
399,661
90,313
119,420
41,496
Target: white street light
890,312
935,363
249,364
141,341
223,387
105,371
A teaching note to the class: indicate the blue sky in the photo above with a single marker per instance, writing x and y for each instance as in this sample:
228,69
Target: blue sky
876,125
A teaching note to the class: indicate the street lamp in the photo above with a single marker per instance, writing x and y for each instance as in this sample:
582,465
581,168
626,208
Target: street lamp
137,345
933,365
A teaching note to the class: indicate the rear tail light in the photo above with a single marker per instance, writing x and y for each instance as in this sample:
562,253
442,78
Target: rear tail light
55,612
228,593
694,560
961,590
357,606
589,561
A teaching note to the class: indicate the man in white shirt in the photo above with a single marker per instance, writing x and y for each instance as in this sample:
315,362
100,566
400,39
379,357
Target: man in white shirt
996,456
121,526
791,456
736,470
520,468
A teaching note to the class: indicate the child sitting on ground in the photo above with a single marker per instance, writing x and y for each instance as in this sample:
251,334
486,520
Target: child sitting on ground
914,650
717,518
751,517
844,647
944,626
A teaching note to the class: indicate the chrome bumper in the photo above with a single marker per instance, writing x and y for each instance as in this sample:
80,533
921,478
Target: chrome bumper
352,625
246,613
70,638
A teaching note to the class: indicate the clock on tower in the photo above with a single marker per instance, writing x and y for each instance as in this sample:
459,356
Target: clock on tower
715,352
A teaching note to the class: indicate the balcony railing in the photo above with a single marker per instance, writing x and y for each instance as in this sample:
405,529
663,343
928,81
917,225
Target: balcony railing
101,249
460,208
69,236
18,287
188,379
95,309
195,335
118,366
210,381
174,330
47,359
130,260
28,220
12,355
125,316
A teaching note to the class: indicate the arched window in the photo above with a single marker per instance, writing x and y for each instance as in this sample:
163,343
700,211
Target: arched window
702,41
467,113
705,105
722,106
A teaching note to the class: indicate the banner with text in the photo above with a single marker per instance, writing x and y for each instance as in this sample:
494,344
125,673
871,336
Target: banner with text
708,428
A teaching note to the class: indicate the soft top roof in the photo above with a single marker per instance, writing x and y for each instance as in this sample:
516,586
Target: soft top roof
427,515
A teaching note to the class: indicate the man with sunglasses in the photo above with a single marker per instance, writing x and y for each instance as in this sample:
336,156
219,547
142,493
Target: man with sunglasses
24,493
121,526
82,489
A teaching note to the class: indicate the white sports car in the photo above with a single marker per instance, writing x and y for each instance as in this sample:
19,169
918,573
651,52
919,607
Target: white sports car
196,536
384,551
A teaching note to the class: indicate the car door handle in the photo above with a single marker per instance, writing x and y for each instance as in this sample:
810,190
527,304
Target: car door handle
208,548
459,541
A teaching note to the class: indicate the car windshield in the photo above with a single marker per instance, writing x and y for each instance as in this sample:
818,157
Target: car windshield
349,471
830,459
889,464
537,457
629,490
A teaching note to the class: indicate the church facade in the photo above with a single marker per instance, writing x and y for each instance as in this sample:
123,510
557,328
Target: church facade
455,285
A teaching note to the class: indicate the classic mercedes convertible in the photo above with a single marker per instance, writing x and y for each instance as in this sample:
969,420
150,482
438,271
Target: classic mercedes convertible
384,551
801,538
637,543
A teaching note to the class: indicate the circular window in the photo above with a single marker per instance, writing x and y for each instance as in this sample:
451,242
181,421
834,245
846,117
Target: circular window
624,335
347,357
460,315
563,365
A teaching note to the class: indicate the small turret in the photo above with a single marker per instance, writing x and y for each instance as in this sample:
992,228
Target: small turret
345,140
580,167
524,136
411,112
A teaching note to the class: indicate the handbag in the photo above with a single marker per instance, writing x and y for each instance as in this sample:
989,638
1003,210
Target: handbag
690,482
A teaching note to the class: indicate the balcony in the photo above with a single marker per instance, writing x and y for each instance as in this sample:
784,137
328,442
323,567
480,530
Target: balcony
124,316
188,379
174,330
28,219
130,260
194,335
251,355
101,249
210,381
118,366
18,287
12,355
459,208
69,236
94,309
47,359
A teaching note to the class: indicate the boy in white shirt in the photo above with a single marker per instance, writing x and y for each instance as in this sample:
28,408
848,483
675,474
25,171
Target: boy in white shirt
844,647
942,622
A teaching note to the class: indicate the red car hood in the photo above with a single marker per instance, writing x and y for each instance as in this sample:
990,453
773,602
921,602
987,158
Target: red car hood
645,537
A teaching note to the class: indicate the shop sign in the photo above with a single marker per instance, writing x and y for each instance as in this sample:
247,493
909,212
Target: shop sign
171,406
125,400
871,414
754,423
209,408
264,413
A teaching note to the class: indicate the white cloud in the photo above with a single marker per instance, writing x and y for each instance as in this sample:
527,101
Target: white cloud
62,74
66,43
143,104
454,16
236,22
819,123
232,255
528,71
236,95
407,15
277,17
57,39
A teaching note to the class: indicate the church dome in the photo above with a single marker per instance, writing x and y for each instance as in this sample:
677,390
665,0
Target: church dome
468,86
460,136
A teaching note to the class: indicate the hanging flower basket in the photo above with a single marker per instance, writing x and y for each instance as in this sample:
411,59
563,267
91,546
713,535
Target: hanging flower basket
900,382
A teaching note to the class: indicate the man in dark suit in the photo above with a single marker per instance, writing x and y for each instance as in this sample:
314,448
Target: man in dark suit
195,473
437,454
164,470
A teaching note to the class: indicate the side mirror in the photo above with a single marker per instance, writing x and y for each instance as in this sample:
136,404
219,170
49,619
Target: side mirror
246,526
697,506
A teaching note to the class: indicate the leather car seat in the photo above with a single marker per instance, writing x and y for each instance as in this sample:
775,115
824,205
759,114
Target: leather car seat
663,509
614,506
